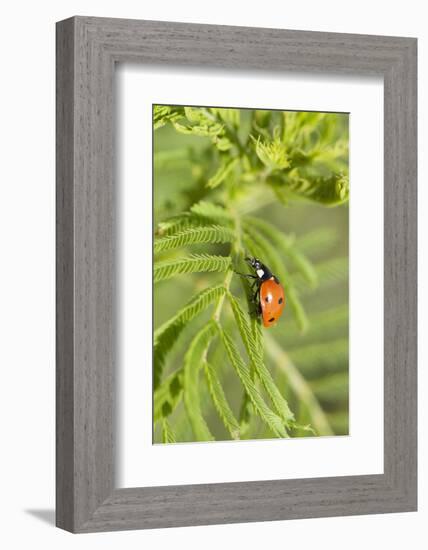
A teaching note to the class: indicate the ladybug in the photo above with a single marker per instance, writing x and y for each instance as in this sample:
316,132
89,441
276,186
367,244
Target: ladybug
269,296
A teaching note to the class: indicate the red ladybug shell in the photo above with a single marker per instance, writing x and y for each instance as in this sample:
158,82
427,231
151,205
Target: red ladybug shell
272,301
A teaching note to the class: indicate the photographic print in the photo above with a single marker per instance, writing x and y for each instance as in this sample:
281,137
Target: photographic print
250,274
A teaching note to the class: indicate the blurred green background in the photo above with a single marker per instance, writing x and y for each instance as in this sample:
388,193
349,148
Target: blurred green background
309,367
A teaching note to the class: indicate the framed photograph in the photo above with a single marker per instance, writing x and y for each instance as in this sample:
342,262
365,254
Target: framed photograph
236,274
260,178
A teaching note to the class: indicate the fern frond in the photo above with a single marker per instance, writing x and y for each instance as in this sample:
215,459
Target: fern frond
257,334
174,224
163,114
303,428
329,191
273,154
285,245
253,348
220,402
167,396
274,422
245,415
196,305
325,324
211,212
166,335
201,213
168,435
321,359
193,361
246,412
259,246
230,116
196,263
196,235
299,386
317,242
202,123
330,272
222,173
333,271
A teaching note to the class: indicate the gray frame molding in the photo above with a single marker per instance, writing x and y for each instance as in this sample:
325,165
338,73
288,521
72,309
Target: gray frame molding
87,50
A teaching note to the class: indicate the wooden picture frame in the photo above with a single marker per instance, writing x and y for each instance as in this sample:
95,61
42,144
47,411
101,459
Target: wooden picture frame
87,50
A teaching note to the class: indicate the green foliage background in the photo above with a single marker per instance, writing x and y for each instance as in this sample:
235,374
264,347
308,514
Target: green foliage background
272,184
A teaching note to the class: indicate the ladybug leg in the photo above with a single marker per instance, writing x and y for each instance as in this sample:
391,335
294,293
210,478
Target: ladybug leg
248,275
254,297
256,301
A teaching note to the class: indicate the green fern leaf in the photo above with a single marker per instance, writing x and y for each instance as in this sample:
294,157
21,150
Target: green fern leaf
266,414
211,212
245,415
273,154
335,270
202,123
222,173
167,396
303,428
246,412
322,358
196,235
220,402
193,361
163,114
166,335
252,341
197,115
329,191
198,130
168,435
201,213
257,334
259,246
297,308
299,386
326,324
222,143
174,225
196,263
230,116
330,273
317,242
286,246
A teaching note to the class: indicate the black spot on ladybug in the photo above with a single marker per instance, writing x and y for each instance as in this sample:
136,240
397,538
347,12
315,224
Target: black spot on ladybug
271,319
280,300
268,298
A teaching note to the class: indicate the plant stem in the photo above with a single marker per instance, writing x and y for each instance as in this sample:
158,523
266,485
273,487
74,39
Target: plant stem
299,385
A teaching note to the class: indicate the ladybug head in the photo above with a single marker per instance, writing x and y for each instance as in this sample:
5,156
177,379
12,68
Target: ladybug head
254,262
262,271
